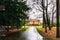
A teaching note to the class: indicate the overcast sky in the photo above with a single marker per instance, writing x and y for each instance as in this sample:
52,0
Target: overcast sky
34,13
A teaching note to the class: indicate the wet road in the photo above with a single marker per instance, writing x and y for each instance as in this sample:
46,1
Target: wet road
29,34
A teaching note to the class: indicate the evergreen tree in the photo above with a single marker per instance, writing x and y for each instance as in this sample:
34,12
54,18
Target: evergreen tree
14,11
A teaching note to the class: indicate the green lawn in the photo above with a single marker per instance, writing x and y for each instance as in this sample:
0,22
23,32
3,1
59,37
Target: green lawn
38,27
25,27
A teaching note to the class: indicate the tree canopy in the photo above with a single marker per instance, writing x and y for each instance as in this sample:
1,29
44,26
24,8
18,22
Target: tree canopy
14,11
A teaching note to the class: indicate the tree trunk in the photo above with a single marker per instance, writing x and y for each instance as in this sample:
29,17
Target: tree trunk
43,21
47,17
7,28
57,17
17,25
24,23
52,19
43,14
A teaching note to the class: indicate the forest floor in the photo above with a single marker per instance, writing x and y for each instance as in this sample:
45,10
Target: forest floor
50,33
15,30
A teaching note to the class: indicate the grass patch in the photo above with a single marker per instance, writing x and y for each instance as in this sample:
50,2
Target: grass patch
38,27
25,27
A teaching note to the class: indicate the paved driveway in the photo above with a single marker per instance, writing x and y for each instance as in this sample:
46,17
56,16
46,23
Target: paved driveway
29,34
